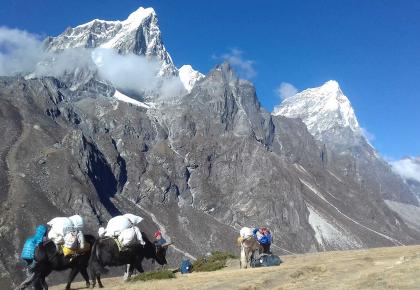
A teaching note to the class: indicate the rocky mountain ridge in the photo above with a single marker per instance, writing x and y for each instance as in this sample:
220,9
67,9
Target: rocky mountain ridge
138,34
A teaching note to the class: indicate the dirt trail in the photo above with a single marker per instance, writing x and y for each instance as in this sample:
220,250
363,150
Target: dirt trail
380,268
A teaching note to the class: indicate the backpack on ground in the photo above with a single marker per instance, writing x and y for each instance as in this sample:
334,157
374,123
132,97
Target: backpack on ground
186,267
266,260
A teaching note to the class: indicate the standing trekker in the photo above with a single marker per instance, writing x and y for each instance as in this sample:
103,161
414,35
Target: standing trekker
264,237
28,254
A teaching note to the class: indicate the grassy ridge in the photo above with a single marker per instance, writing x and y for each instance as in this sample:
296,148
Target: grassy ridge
156,275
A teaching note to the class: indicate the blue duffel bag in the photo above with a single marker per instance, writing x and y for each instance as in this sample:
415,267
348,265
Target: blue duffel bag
266,260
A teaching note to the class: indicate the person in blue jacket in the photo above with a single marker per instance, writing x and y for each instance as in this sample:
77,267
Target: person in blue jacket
264,237
28,254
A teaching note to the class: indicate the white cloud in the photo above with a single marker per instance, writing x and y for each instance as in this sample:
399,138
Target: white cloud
23,53
408,168
368,135
244,67
130,72
135,73
172,86
286,90
19,51
67,61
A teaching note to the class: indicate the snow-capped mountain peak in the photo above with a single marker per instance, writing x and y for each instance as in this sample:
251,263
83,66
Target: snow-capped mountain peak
189,76
136,17
324,110
138,34
331,85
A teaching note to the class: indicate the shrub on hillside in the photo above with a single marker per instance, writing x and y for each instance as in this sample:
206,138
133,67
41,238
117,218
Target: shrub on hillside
217,260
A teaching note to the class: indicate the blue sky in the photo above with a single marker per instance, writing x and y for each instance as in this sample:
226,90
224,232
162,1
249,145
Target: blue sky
372,48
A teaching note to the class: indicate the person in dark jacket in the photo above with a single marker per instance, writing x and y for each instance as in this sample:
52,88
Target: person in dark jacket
264,237
28,254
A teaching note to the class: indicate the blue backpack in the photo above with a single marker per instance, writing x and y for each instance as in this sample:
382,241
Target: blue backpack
185,267
28,251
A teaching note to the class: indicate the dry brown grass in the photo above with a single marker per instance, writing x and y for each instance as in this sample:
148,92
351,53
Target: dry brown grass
381,268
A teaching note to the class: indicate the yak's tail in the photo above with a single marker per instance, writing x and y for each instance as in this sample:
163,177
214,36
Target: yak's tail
95,264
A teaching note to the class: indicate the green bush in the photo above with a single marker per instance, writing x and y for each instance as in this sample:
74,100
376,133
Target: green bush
157,275
217,260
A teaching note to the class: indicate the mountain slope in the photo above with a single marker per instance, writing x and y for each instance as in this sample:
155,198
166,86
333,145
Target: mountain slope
409,169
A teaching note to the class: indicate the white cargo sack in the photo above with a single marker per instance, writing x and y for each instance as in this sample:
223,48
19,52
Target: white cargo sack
139,237
101,232
134,219
61,225
57,238
77,221
127,237
130,237
246,232
116,225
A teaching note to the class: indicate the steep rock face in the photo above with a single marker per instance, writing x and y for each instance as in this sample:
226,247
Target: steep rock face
222,135
232,102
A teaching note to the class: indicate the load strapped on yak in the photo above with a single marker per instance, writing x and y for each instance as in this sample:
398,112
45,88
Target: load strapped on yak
123,230
245,233
67,234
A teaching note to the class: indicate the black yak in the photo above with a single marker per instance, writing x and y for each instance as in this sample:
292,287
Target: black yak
105,252
50,259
